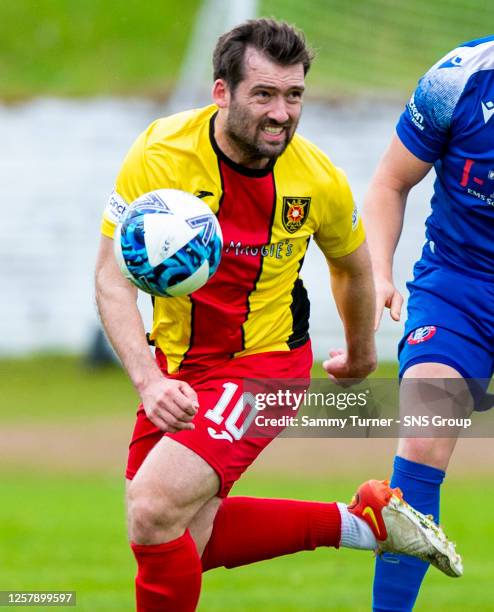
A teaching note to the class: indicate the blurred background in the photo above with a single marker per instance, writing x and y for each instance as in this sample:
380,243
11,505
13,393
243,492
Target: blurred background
79,79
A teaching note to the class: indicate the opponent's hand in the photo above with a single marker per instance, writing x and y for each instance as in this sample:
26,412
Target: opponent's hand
387,296
169,404
344,371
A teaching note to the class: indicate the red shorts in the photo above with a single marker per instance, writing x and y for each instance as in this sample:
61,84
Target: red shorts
218,437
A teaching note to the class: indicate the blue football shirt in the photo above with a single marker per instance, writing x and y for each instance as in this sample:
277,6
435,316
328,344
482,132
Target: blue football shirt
449,121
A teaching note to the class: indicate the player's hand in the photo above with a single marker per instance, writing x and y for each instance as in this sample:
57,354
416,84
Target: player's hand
345,371
170,404
387,296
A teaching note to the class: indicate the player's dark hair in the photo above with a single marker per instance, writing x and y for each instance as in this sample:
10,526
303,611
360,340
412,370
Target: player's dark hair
281,42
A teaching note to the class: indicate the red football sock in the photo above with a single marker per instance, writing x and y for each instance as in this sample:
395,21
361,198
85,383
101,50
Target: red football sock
168,575
249,529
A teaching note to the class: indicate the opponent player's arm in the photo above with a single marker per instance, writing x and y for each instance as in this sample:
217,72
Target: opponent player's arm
169,404
353,291
383,213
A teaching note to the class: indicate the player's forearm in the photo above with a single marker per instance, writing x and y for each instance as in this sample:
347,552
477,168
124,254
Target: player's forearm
354,296
383,213
353,291
124,327
384,204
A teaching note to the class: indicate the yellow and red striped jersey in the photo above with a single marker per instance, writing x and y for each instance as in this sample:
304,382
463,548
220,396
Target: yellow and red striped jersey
256,302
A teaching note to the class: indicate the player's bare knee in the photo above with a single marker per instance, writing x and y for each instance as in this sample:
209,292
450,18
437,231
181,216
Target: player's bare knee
435,452
153,517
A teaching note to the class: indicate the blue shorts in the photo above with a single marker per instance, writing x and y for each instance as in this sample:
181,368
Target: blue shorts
450,320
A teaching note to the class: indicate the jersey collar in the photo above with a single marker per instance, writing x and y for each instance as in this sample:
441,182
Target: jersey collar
253,172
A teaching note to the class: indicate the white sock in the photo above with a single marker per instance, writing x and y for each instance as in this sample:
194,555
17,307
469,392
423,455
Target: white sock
355,533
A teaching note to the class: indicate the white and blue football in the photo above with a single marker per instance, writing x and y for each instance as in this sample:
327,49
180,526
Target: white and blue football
169,243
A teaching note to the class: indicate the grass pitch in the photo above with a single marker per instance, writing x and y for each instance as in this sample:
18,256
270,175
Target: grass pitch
67,532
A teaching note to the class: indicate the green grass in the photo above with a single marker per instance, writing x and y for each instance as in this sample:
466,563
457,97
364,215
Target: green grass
93,47
67,532
60,387
87,47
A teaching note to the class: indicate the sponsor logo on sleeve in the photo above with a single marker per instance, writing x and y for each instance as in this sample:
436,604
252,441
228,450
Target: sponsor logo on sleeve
116,208
416,117
355,218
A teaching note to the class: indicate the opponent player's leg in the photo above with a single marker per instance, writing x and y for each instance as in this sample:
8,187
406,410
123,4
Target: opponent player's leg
430,386
419,470
168,490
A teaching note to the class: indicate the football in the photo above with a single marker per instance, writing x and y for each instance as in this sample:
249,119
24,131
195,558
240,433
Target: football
169,243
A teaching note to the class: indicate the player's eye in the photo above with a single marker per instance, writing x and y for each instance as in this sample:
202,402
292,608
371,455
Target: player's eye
263,95
294,96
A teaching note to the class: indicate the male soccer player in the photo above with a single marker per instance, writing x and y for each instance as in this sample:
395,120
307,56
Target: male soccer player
448,123
271,191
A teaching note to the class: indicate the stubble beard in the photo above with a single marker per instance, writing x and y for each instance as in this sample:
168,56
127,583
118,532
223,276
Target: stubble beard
238,128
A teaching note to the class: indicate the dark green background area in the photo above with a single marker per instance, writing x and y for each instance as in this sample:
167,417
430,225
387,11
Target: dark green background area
89,47
98,47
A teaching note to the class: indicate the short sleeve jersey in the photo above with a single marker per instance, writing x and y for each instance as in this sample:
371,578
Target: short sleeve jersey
256,302
449,121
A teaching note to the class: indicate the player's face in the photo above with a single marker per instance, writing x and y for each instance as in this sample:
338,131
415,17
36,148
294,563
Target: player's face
265,108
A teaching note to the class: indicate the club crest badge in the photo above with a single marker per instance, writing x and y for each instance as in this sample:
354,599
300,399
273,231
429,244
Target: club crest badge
422,334
295,213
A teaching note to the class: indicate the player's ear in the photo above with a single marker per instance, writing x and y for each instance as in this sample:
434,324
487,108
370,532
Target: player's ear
221,93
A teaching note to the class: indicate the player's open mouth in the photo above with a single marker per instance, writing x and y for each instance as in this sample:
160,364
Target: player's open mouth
271,129
274,132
